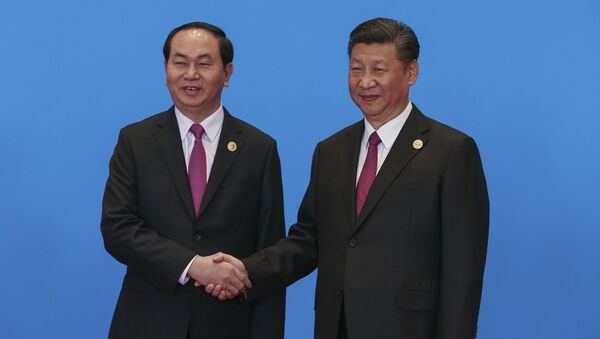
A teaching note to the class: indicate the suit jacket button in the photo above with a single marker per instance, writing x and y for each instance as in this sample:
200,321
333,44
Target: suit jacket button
352,242
339,291
197,237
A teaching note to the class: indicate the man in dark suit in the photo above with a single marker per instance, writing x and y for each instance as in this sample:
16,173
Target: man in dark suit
184,184
395,215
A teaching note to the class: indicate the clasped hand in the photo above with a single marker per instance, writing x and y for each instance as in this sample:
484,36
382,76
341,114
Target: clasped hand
223,275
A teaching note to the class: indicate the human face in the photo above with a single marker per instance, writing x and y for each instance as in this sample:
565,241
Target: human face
195,73
379,82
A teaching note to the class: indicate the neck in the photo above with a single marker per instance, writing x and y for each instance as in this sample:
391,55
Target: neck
381,120
197,116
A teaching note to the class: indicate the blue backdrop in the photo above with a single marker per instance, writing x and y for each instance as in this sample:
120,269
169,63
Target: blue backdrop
521,77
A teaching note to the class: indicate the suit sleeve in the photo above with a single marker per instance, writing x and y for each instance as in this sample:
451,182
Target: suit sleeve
464,223
293,257
125,237
268,314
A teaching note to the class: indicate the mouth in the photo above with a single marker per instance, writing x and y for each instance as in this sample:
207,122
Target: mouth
369,97
190,89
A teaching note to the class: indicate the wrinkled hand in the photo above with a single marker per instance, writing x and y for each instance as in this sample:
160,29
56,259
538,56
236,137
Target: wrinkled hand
217,290
230,277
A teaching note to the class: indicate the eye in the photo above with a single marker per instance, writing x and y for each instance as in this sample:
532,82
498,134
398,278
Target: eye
355,69
204,64
379,70
179,63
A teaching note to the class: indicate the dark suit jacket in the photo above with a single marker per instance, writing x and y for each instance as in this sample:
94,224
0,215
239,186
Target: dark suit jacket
149,224
411,265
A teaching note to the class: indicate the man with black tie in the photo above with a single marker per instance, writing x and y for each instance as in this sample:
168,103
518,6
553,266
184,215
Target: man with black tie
395,215
184,184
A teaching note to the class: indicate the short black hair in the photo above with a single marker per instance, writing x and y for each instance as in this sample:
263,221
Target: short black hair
225,45
382,31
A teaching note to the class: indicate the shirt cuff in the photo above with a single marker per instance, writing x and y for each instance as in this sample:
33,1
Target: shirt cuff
184,278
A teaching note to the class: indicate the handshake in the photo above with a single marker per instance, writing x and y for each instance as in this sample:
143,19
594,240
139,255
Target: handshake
222,275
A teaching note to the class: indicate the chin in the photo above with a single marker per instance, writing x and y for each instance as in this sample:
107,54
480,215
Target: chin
369,111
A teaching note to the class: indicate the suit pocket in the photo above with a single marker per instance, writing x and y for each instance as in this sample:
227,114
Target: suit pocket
134,282
238,182
421,183
416,300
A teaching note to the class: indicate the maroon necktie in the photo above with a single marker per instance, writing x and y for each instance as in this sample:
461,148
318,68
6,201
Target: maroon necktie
367,175
197,167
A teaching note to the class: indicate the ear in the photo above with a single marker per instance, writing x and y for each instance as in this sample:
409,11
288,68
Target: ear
228,73
166,74
413,71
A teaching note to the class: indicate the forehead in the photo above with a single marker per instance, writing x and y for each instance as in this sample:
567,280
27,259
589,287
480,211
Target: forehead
194,41
374,52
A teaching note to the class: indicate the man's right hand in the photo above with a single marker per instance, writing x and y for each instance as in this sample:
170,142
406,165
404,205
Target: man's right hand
231,277
217,290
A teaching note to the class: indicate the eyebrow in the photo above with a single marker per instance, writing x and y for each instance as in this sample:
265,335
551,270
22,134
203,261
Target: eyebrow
376,61
379,61
199,56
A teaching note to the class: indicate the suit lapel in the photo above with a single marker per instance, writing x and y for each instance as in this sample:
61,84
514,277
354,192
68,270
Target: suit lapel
224,158
348,164
168,139
401,153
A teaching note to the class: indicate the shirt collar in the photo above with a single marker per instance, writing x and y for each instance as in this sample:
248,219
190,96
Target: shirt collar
212,124
389,131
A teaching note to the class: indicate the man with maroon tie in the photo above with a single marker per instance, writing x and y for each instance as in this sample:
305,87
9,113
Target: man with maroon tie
183,185
396,213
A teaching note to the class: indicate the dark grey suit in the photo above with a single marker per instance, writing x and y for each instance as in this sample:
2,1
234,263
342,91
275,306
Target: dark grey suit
411,265
148,224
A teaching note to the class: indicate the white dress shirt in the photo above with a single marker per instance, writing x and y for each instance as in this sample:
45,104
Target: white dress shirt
210,140
387,133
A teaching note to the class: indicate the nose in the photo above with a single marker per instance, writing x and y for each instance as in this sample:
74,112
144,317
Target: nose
192,72
366,81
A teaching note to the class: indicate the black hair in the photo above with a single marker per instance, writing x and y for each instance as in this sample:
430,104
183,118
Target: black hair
383,30
225,45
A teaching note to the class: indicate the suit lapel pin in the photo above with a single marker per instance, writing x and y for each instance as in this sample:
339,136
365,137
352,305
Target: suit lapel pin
417,144
232,146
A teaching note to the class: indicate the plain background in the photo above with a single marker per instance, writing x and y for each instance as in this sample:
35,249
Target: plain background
521,77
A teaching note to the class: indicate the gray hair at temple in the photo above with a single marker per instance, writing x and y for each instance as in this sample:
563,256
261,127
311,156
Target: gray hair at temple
383,31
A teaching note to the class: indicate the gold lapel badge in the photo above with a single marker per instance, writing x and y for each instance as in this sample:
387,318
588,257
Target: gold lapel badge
232,146
417,144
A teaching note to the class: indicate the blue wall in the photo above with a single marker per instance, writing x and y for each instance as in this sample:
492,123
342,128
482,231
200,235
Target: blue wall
521,77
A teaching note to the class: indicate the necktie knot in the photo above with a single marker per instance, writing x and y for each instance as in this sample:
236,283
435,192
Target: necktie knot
374,139
197,130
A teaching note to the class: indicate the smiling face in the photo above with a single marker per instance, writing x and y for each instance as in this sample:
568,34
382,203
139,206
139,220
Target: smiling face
195,73
379,82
